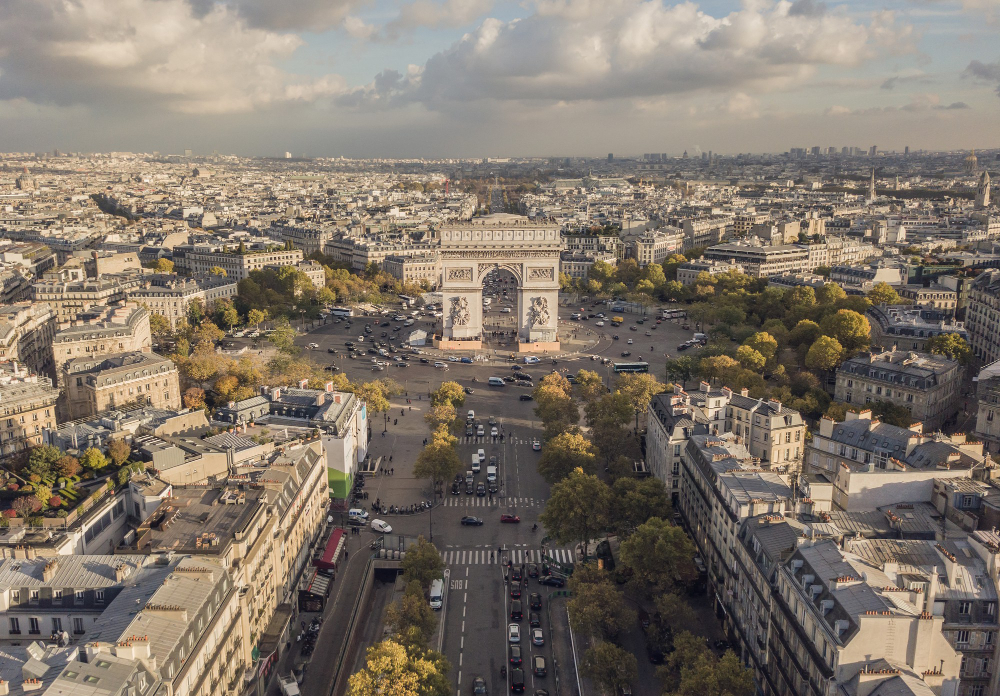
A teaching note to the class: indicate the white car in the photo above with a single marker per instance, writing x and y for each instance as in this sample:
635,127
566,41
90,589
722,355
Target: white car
505,310
452,358
630,341
600,323
494,432
513,633
313,346
399,317
536,445
381,526
361,338
482,455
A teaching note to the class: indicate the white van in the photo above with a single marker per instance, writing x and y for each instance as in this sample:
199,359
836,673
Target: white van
357,513
491,474
530,360
476,464
496,382
440,364
437,595
470,416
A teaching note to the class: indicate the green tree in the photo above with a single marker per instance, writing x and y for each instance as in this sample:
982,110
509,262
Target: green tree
825,353
159,326
118,451
578,508
851,330
607,418
805,332
829,294
654,274
597,607
660,556
196,312
764,343
884,294
411,618
718,368
590,385
750,358
670,266
680,369
610,666
674,611
555,405
423,563
282,337
950,345
893,414
255,317
438,461
449,392
164,266
42,460
565,453
634,501
640,390
228,315
93,459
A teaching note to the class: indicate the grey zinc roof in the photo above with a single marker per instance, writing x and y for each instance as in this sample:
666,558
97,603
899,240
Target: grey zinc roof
13,659
71,571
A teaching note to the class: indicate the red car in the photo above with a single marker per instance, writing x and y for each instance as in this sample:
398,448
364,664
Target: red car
510,518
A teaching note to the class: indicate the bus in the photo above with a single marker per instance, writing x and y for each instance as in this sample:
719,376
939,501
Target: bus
341,312
631,367
673,314
407,300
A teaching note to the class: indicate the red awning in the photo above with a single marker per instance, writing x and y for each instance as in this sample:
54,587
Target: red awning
334,547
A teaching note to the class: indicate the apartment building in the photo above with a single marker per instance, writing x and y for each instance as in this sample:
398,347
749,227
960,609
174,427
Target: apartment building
657,246
928,386
935,296
706,231
102,331
988,407
865,277
27,408
68,298
762,261
314,272
904,327
94,385
171,296
743,222
862,463
594,243
578,265
773,433
26,333
687,273
982,317
199,259
308,238
418,268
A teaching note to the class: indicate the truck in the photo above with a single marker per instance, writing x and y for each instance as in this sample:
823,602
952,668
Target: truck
289,686
617,321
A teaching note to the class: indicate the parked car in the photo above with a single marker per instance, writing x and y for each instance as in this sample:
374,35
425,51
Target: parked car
381,526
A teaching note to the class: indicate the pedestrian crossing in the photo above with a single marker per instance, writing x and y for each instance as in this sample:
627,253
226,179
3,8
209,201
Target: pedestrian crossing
464,500
517,556
488,440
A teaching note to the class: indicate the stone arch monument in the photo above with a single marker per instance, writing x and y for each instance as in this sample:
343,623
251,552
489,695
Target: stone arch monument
528,250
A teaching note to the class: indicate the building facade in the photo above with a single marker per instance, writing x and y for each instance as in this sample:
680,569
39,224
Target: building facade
102,331
96,385
26,335
171,296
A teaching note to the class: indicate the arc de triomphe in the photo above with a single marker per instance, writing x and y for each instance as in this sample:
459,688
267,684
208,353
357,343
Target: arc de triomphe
528,250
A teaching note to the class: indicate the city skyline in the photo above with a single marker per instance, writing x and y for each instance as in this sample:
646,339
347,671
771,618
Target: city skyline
470,78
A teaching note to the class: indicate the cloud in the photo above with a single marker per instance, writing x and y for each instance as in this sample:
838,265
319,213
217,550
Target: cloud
161,54
577,50
283,15
984,72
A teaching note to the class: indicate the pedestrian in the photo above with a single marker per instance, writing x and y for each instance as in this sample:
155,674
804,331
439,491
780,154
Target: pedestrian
345,554
395,421
390,457
383,433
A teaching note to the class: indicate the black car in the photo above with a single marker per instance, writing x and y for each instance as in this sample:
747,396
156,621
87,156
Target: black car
516,613
424,360
468,390
683,346
470,488
515,590
331,350
615,337
384,324
533,620
468,520
515,575
515,368
553,580
626,353
517,681
532,570
535,601
349,344
494,486
481,489
515,655
525,397
508,378
479,686
455,488
539,664
372,351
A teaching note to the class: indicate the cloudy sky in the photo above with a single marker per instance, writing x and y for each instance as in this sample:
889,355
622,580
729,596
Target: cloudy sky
458,78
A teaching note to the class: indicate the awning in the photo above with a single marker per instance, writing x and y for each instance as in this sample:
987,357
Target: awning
319,585
334,547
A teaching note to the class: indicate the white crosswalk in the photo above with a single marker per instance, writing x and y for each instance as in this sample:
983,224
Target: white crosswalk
488,440
475,501
517,556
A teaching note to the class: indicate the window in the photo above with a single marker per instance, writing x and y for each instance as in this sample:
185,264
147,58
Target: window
99,596
15,626
57,594
965,607
56,624
78,597
33,626
78,625
962,638
33,596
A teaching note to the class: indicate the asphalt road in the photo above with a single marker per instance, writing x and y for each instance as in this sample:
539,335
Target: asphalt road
477,600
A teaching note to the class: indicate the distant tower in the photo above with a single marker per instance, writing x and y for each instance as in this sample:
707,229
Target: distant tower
983,194
871,188
972,163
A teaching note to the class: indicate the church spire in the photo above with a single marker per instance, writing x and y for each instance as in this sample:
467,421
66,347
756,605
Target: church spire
871,188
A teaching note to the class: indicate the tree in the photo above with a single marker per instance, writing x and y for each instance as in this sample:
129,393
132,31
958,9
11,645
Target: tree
388,671
805,332
597,607
635,501
194,398
717,368
228,314
590,385
93,459
255,317
119,451
42,460
565,453
674,611
893,414
764,343
639,389
654,274
449,392
374,395
26,505
697,672
610,666
442,415
208,333
750,358
411,618
196,311
68,465
825,353
43,493
884,294
438,461
423,563
555,405
164,266
660,556
578,508
830,293
217,271
159,325
283,337
607,418
950,345
680,369
851,329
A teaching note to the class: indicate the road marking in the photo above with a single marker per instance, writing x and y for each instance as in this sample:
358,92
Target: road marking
460,664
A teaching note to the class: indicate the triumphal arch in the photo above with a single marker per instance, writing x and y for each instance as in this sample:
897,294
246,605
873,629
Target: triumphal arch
529,251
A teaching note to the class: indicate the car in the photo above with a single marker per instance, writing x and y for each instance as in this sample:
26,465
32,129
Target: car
539,666
515,590
424,360
630,341
508,378
468,390
381,526
494,432
536,445
470,430
361,338
683,346
515,575
492,420
633,328
516,612
331,350
532,570
515,368
480,431
481,489
515,655
456,488
517,681
643,619
469,520
626,353
552,580
479,686
514,519
537,638
454,358
615,337
494,487
525,397
482,455
513,633
535,601
534,620
648,333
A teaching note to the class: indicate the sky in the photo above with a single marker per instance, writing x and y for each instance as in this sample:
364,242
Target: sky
501,78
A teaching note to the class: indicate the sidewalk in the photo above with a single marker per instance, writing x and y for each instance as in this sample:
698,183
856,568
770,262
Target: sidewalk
562,650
